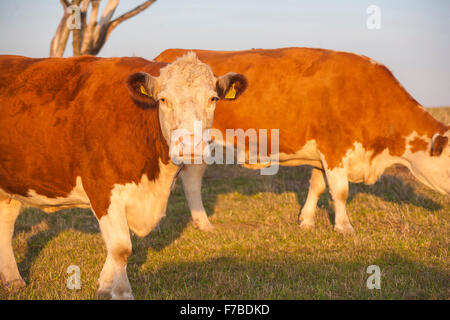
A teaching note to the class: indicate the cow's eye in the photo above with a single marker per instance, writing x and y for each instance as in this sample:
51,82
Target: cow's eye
163,100
213,99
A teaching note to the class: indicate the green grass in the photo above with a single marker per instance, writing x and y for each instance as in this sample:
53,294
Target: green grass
257,250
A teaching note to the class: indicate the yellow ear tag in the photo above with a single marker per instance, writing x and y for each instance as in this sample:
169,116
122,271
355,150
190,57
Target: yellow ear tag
231,94
143,91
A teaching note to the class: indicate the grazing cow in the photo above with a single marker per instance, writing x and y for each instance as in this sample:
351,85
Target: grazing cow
344,114
96,133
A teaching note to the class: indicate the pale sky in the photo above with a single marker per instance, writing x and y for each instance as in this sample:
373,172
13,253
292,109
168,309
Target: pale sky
413,42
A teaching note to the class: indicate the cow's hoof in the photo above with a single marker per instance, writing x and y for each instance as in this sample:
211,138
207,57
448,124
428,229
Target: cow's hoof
104,293
344,229
306,225
15,285
204,226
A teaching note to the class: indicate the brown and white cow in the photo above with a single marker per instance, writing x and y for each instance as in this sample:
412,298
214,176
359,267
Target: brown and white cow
342,113
95,133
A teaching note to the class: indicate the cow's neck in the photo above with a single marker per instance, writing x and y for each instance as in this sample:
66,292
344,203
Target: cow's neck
413,135
417,119
428,169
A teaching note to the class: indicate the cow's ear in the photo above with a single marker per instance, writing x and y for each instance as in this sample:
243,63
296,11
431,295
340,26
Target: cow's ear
231,85
438,143
142,87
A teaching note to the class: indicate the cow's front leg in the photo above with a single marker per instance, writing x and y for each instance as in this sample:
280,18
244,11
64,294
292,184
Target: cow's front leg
316,188
116,234
105,281
191,176
338,185
9,274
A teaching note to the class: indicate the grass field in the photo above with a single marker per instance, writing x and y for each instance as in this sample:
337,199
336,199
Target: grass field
257,250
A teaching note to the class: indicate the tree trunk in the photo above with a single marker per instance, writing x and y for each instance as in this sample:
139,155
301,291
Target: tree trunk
59,41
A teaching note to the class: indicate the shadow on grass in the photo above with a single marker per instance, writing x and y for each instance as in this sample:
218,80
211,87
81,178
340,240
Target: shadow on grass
40,228
30,219
297,277
390,187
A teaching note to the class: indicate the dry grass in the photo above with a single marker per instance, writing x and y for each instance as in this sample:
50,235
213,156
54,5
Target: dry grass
442,114
257,250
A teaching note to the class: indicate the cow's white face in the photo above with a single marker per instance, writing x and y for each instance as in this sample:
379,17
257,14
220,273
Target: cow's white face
186,92
432,167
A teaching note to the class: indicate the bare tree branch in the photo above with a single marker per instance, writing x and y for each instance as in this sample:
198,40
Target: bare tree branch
76,34
84,9
102,26
107,29
65,4
88,36
85,5
61,36
129,14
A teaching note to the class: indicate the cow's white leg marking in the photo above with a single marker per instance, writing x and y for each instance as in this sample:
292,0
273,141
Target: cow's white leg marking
105,281
114,228
338,185
9,274
191,176
136,207
316,188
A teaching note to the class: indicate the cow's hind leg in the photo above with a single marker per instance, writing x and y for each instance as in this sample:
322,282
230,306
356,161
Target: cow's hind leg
113,278
191,176
9,274
338,185
316,188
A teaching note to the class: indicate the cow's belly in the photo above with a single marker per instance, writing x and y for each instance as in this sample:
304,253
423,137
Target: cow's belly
363,167
307,155
77,198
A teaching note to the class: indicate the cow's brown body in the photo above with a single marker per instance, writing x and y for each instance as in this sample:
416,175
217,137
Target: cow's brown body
96,133
67,118
313,93
343,113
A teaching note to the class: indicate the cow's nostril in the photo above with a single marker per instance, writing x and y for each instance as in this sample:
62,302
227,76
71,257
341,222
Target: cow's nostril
190,145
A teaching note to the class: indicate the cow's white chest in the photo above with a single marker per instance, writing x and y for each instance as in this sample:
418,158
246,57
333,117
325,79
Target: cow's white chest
144,203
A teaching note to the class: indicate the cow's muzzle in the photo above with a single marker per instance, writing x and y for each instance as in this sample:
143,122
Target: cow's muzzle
188,149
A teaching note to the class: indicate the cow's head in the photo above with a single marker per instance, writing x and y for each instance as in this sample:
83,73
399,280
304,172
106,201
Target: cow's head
432,166
186,92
